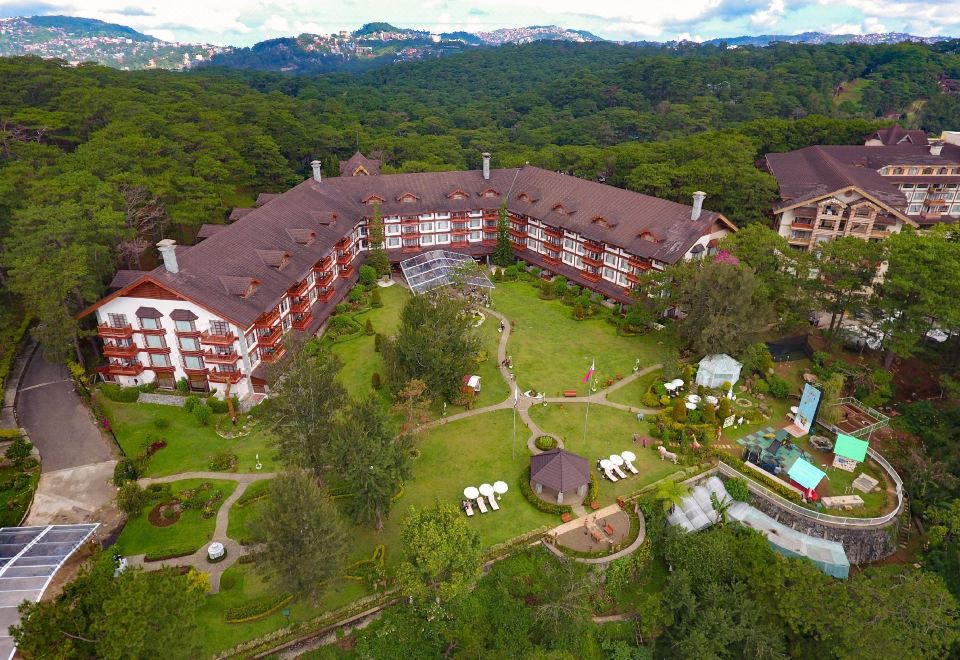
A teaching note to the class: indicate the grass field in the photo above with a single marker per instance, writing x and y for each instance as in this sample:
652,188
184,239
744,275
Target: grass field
190,531
242,515
631,394
552,352
189,445
609,431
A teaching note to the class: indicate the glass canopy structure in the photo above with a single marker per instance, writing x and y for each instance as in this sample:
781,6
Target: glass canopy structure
441,267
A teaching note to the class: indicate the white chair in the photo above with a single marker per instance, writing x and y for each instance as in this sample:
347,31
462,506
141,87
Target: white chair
481,505
610,475
619,472
468,508
493,502
631,467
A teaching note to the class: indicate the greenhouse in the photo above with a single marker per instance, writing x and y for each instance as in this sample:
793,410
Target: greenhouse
429,270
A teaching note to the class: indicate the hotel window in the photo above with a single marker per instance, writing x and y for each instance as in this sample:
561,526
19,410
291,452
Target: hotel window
393,242
568,258
609,259
192,362
426,226
189,344
622,264
186,326
284,305
569,245
154,341
311,278
476,236
117,320
912,171
251,339
391,230
150,324
443,225
159,360
608,274
287,323
426,240
443,238
219,328
475,224
913,209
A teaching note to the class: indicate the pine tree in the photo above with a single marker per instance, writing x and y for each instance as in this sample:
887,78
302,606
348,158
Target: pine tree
377,257
503,253
680,411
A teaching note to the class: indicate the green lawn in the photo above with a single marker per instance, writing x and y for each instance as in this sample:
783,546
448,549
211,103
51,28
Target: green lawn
359,357
190,531
631,394
189,445
456,455
609,431
241,583
239,527
552,352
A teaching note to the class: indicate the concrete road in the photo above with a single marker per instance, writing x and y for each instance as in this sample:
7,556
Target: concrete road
57,421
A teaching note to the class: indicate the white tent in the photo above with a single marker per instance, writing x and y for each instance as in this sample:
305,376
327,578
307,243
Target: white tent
717,369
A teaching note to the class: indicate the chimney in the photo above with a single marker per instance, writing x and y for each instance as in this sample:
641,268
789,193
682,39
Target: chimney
168,250
698,198
486,165
317,173
935,148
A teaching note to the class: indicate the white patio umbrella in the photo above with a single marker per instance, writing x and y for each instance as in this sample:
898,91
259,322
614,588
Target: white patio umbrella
712,400
678,382
486,490
605,464
693,398
500,487
616,459
691,405
669,386
629,456
471,492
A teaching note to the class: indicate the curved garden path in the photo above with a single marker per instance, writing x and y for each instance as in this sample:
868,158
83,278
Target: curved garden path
198,559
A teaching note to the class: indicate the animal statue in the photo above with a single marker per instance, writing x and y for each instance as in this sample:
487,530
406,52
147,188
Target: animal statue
696,445
668,455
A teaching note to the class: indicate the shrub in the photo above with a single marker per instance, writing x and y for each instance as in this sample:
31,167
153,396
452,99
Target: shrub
202,412
183,385
161,423
680,411
779,388
190,403
694,417
378,342
594,486
738,490
220,406
578,312
534,499
710,414
651,400
375,381
368,328
148,387
131,498
18,451
559,285
761,387
355,295
664,400
341,308
169,553
522,267
546,289
120,394
368,275
161,492
376,300
256,608
223,461
659,389
534,272
724,409
9,434
545,443
511,272
125,470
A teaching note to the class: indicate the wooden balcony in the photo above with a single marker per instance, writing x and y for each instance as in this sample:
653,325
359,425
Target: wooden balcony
114,350
345,257
517,246
347,271
190,371
274,356
407,222
638,263
268,319
161,369
300,306
116,332
302,322
593,276
214,357
152,331
593,246
553,261
802,224
133,369
633,277
552,247
553,231
518,233
324,279
592,259
324,264
298,289
216,339
220,376
188,333
156,350
326,295
270,338
344,243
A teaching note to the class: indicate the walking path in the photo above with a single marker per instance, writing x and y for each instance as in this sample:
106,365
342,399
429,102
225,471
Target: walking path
574,524
198,559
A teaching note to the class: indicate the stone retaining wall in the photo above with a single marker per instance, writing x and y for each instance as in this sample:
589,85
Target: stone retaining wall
162,399
862,545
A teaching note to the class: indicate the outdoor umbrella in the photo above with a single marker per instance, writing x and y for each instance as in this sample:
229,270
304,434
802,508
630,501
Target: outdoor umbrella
669,386
486,490
471,492
712,400
616,459
500,487
693,398
629,456
677,382
691,405
606,464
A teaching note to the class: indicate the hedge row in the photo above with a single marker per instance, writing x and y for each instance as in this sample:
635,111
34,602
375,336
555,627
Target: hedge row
120,394
535,500
257,608
779,489
9,434
7,360
169,553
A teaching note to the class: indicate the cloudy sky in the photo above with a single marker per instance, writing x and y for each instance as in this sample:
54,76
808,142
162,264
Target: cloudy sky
244,22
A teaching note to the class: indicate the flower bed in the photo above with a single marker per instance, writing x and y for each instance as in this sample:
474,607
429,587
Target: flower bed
545,443
158,516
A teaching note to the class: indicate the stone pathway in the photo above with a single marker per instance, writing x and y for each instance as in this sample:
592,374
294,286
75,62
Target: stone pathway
574,524
198,559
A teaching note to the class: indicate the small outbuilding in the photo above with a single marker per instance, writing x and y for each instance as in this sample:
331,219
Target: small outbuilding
717,369
556,473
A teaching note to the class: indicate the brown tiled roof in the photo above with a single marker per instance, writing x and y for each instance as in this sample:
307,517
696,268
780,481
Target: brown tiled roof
208,230
349,166
559,470
897,134
183,315
218,271
124,277
264,198
148,313
238,213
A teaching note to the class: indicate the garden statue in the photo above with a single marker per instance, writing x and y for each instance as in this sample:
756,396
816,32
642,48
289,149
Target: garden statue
636,365
668,455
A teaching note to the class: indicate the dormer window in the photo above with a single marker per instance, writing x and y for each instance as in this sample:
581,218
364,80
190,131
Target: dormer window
523,197
239,286
489,192
407,198
302,236
457,194
373,199
559,208
601,221
274,258
649,237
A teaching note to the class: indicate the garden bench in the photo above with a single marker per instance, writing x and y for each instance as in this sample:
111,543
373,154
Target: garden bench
569,393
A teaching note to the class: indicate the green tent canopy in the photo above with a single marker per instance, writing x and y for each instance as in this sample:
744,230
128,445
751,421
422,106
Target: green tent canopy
805,473
849,447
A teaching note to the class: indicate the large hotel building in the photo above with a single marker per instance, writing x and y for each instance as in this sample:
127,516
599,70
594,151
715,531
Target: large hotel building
216,313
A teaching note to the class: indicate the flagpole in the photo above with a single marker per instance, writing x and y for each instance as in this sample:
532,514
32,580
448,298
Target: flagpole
516,397
586,416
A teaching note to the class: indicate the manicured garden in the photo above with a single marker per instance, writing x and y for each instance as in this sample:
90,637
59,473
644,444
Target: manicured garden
192,527
609,431
190,445
632,393
552,351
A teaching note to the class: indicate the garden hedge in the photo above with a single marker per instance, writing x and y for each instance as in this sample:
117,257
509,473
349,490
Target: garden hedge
120,394
9,434
538,503
169,553
256,608
545,443
7,360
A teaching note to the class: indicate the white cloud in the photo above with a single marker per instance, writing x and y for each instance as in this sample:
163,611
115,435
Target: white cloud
770,16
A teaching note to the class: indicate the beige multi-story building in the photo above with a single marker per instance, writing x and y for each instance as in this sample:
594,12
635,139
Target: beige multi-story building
896,178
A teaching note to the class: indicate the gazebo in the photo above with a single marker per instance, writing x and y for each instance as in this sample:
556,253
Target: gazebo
717,369
558,471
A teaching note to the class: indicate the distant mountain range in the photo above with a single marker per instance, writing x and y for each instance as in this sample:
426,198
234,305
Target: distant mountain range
84,40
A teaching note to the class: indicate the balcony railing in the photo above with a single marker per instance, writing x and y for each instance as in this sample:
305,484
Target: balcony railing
302,322
298,289
553,231
213,357
345,257
553,261
518,233
346,271
273,357
592,259
268,319
593,246
323,264
326,295
633,277
130,369
300,306
345,243
216,339
222,376
270,338
324,279
115,350
593,276
121,331
637,262
193,332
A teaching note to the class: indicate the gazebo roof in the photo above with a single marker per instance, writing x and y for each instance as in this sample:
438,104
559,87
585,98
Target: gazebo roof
850,447
720,362
805,473
560,470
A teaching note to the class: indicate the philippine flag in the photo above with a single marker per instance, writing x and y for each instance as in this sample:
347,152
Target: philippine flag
593,365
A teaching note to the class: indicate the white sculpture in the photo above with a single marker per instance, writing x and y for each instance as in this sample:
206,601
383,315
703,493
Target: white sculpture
668,455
